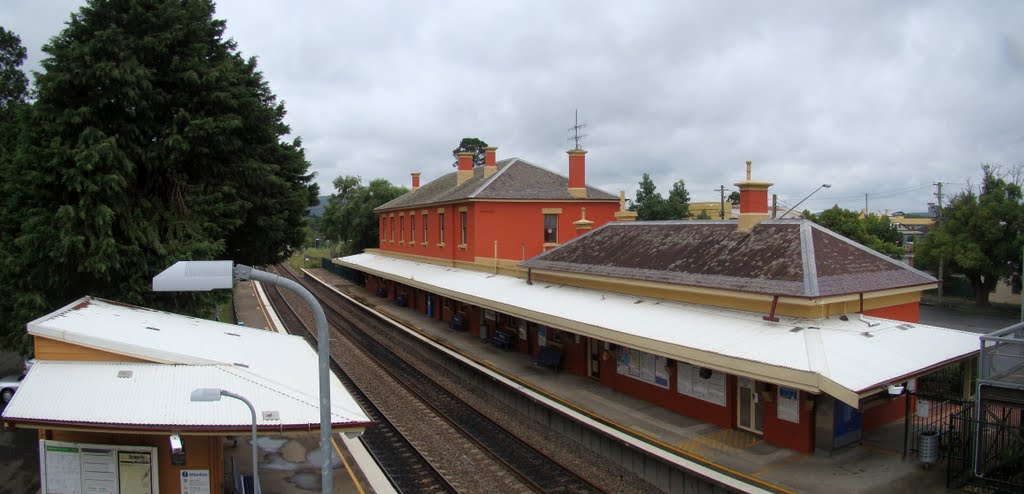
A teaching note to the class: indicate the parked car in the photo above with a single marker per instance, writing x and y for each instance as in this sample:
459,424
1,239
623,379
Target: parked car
8,386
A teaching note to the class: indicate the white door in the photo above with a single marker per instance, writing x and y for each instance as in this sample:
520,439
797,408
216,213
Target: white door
750,412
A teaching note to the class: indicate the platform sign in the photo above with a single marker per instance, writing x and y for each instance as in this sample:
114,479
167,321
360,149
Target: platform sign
788,405
195,482
80,468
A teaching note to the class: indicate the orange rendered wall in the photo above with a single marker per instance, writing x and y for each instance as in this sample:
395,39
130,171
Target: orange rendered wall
518,228
909,312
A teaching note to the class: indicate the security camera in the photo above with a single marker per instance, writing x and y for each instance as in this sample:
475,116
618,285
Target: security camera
175,443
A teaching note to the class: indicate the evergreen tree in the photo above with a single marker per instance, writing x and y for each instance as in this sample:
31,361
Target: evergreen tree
979,235
650,205
473,145
678,201
872,230
152,140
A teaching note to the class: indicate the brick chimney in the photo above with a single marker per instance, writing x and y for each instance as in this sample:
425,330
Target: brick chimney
577,173
415,181
753,202
490,161
465,166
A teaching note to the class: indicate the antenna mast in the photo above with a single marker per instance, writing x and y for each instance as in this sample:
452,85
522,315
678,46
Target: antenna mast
575,129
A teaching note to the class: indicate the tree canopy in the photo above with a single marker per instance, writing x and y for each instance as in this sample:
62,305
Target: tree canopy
13,83
734,198
872,230
151,140
349,217
650,205
473,145
979,234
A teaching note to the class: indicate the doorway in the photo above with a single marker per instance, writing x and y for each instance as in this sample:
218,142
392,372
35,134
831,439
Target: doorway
594,362
750,412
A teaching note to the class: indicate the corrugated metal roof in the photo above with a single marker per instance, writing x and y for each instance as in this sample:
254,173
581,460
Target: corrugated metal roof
515,179
153,395
842,358
794,258
285,362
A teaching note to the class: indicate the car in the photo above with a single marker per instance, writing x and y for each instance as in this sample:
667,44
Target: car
8,386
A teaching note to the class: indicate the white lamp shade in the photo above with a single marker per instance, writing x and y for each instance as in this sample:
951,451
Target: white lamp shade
206,394
195,276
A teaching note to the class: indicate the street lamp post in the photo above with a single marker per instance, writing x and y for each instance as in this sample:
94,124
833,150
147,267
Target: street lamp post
214,394
826,186
209,275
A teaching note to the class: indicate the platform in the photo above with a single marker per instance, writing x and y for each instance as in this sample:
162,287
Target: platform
873,466
284,464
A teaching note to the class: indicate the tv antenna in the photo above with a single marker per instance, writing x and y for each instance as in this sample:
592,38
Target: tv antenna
575,129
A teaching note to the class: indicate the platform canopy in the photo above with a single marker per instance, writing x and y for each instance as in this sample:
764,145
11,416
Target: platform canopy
163,357
845,359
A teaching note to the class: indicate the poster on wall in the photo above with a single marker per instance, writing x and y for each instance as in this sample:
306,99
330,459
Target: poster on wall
643,366
788,407
690,383
135,472
81,468
542,335
522,329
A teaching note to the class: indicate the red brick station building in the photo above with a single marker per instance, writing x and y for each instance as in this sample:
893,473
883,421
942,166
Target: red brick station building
778,327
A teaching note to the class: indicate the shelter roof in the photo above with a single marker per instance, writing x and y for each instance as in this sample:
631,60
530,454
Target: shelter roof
781,257
274,366
516,179
843,358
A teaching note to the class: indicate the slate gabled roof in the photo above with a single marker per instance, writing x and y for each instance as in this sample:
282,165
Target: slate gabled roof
777,257
515,179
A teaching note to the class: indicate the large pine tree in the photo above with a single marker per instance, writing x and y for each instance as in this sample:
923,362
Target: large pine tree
152,140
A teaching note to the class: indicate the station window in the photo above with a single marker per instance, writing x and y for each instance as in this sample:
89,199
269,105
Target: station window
412,228
551,228
440,221
425,239
392,228
401,228
462,216
383,229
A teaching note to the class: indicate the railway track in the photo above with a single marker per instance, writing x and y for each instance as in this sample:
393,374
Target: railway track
487,457
404,466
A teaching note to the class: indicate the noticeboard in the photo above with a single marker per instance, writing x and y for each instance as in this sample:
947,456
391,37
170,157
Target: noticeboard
81,468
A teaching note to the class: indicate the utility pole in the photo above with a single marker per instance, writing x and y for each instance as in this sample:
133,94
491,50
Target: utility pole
865,204
938,194
721,194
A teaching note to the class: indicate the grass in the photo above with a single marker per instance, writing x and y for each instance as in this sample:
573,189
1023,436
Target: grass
309,258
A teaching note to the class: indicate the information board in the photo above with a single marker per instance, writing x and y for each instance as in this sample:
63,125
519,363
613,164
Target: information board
81,468
690,383
788,406
195,482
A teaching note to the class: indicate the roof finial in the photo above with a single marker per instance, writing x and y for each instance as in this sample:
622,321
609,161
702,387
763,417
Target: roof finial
748,171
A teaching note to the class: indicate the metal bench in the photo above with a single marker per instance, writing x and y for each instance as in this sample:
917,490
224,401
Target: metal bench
502,340
550,357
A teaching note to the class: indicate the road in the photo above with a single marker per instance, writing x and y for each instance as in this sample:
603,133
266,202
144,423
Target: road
966,319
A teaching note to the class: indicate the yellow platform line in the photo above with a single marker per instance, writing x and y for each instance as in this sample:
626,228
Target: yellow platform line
359,487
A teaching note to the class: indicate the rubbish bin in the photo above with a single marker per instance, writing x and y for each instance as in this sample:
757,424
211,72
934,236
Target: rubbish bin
928,448
483,331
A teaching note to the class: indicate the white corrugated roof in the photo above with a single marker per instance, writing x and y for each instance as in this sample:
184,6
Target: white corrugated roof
829,355
284,363
152,395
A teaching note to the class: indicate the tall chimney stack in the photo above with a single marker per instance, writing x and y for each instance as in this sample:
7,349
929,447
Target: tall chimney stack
577,173
753,202
465,166
490,161
415,181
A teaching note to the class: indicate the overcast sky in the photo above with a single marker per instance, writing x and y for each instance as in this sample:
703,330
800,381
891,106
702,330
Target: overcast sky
882,98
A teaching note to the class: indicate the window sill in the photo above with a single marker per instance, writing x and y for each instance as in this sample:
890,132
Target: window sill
424,244
462,246
548,245
440,244
401,242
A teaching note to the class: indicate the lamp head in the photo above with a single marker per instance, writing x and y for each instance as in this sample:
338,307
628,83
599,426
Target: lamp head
827,186
195,276
206,394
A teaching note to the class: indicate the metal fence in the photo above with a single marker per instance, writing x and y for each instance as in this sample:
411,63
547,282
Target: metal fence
933,412
988,452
